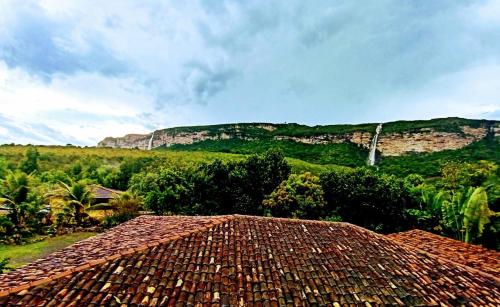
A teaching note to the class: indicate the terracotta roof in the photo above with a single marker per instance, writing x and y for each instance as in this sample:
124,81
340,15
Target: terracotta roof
240,260
473,256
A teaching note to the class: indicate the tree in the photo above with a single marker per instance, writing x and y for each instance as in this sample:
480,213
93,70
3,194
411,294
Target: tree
238,187
257,177
14,194
215,188
458,175
300,196
165,192
130,166
476,214
30,162
366,198
428,213
75,170
25,204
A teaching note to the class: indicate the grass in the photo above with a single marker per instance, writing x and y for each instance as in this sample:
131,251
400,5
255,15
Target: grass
22,254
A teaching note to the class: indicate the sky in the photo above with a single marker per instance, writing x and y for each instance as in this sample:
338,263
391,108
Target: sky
78,71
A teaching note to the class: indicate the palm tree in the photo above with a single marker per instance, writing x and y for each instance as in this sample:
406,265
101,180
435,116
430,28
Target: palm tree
77,198
14,192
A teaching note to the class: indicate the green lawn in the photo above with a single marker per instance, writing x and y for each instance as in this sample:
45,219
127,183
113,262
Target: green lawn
22,254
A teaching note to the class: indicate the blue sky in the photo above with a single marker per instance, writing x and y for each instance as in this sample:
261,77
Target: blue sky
77,71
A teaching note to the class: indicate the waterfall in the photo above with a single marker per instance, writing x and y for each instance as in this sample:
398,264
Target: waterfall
150,144
373,146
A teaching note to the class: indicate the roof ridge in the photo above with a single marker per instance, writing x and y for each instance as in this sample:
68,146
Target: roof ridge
91,263
440,258
308,221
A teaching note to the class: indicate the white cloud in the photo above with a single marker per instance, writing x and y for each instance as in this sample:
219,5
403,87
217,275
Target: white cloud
85,107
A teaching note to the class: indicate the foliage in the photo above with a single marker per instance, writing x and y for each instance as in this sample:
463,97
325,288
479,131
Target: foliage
125,207
120,179
476,214
456,175
300,196
459,210
367,198
238,187
3,264
453,212
428,214
25,206
164,192
77,198
213,188
3,168
30,162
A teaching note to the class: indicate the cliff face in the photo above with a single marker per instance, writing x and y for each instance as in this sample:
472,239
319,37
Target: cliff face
428,140
392,143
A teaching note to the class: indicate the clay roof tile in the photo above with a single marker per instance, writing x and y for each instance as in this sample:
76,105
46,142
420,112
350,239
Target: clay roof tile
242,260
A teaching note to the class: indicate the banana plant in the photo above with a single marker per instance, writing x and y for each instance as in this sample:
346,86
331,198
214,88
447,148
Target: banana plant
476,214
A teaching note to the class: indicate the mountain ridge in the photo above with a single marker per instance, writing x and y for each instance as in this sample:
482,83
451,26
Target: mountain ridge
396,138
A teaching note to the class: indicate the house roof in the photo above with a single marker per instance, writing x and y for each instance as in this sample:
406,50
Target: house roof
242,260
101,192
473,256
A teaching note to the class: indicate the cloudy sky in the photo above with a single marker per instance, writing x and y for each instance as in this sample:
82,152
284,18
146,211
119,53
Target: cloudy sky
77,71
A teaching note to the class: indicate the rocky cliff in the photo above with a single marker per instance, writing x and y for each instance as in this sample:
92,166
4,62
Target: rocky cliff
396,138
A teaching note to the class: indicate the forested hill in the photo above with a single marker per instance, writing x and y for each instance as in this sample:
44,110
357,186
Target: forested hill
409,142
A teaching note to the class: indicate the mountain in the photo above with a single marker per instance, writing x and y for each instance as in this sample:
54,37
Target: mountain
329,144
